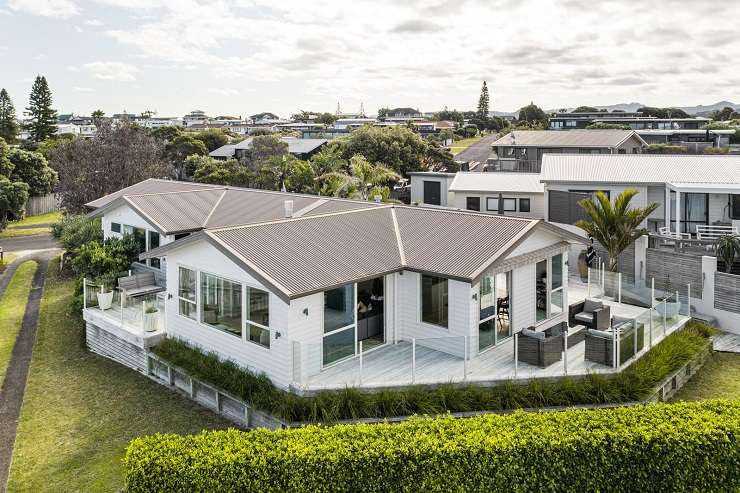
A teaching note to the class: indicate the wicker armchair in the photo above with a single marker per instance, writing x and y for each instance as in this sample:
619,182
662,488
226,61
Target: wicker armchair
590,313
542,348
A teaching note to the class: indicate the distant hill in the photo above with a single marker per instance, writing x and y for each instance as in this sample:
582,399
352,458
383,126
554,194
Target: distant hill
700,110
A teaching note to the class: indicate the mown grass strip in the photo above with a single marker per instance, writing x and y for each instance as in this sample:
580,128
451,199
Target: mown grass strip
81,410
12,308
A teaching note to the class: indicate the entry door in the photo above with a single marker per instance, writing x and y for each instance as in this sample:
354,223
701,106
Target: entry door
432,192
370,313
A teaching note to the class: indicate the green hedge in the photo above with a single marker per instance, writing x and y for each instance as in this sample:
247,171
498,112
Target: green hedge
632,384
660,447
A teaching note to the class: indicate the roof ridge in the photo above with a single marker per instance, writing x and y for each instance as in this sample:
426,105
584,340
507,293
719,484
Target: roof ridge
215,206
301,218
175,191
465,212
399,241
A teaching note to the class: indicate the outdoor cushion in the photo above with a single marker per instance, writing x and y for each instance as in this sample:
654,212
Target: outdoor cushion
592,305
555,330
532,333
584,317
599,333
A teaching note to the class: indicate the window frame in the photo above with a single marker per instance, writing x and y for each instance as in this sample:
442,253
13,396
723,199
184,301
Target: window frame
488,202
247,322
201,304
421,302
113,226
468,200
523,201
338,330
509,274
181,298
549,290
509,200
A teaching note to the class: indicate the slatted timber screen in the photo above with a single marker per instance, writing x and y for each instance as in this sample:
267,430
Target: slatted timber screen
726,289
563,207
674,269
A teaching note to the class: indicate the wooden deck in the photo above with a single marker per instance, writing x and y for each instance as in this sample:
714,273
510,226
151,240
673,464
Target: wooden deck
393,364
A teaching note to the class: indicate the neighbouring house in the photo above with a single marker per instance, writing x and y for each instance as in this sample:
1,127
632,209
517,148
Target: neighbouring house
506,194
522,150
300,148
687,132
321,293
699,190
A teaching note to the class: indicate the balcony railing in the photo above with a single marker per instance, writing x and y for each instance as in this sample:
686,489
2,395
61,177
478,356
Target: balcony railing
514,165
689,246
141,315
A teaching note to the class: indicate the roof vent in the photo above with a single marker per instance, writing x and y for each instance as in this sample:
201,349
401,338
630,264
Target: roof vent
288,208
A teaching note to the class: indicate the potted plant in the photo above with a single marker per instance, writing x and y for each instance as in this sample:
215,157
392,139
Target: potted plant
105,293
151,317
668,305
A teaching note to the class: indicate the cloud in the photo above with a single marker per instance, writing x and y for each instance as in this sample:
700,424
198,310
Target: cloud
63,9
224,91
117,71
82,89
416,26
628,81
93,22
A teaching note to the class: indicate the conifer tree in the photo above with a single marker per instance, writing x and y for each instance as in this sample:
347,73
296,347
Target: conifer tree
483,102
42,118
8,122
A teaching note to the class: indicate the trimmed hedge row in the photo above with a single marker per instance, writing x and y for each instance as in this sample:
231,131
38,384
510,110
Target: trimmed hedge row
632,384
661,447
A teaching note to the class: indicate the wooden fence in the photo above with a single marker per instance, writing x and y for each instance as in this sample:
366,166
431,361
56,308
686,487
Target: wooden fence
726,289
42,204
676,269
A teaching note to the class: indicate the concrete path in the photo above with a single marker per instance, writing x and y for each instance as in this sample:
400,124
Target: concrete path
14,385
727,343
32,242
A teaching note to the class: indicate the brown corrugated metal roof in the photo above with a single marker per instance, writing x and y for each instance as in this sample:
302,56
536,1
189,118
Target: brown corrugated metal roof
312,254
181,211
152,185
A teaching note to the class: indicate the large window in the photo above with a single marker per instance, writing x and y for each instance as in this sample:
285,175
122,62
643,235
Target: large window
258,316
221,304
154,243
434,308
524,205
494,320
432,192
339,324
187,283
115,227
472,203
734,206
509,205
492,204
549,297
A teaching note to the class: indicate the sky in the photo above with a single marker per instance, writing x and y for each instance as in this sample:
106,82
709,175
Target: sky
241,57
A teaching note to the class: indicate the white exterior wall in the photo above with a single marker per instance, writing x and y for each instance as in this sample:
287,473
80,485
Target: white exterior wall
450,339
417,187
536,202
275,362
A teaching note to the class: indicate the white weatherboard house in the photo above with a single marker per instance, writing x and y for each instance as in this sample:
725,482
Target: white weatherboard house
320,293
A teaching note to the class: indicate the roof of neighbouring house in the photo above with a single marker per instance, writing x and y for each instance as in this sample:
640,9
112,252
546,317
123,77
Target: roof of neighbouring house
497,182
327,242
295,146
567,138
641,168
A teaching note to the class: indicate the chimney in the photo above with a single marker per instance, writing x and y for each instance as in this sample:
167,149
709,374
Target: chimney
288,208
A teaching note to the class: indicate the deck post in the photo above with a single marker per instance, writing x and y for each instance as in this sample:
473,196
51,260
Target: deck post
465,358
620,288
516,354
615,341
665,319
143,316
413,360
652,293
650,329
588,282
170,379
84,293
120,298
688,300
360,362
565,352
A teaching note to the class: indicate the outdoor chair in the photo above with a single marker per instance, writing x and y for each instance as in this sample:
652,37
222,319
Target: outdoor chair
600,343
591,313
137,285
543,348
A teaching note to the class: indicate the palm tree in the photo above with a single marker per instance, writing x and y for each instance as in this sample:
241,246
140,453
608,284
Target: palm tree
615,226
363,176
728,248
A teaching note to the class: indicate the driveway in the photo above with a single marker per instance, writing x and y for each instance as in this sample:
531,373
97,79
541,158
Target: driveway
477,152
27,243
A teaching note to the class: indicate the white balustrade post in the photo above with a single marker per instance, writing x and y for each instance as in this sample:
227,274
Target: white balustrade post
360,362
465,358
143,316
615,338
84,293
665,312
652,293
688,300
588,282
516,354
565,352
619,278
413,360
121,303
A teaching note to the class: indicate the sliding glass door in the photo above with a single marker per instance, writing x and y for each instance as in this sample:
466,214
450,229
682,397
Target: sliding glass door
339,324
494,320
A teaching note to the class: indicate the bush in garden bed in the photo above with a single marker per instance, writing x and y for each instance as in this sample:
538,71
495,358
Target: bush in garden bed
632,384
661,447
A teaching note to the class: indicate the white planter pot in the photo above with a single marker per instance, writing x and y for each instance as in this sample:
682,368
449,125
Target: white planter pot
669,310
105,300
151,321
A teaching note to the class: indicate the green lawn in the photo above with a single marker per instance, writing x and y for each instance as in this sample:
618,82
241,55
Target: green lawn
460,145
81,410
12,308
31,225
51,217
718,379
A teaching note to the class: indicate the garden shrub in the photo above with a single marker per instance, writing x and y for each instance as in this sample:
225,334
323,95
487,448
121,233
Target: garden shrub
659,447
75,231
632,384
